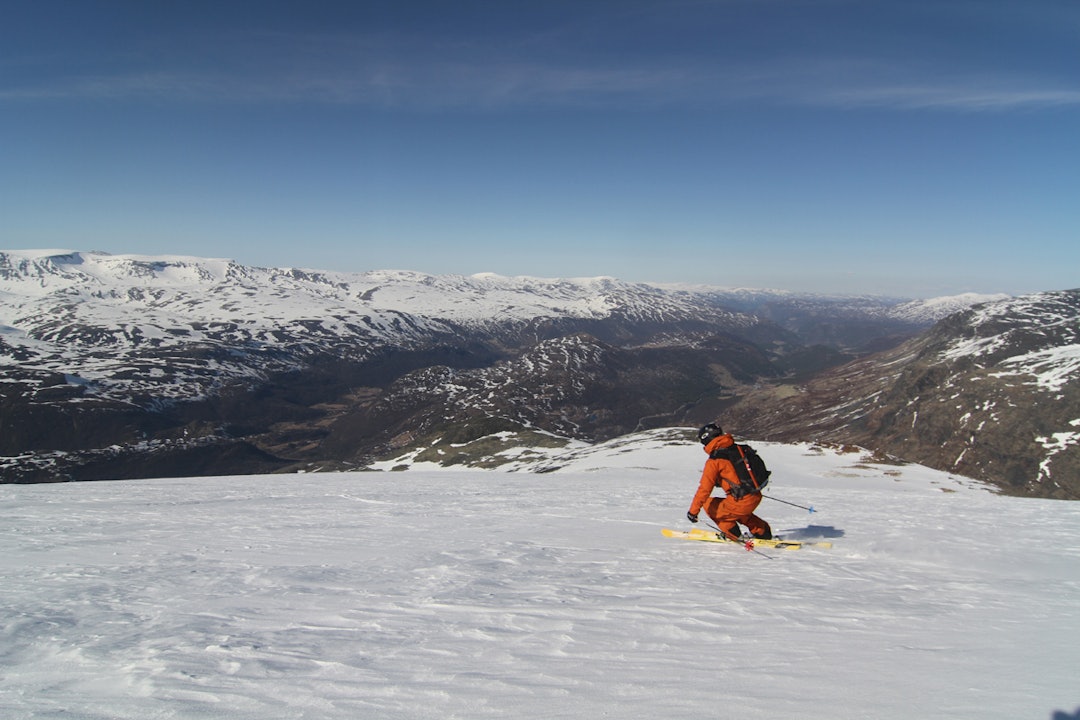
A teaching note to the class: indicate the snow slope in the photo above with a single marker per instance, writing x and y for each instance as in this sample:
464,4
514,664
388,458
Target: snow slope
933,309
470,594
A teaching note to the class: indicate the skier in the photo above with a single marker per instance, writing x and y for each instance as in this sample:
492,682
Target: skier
728,511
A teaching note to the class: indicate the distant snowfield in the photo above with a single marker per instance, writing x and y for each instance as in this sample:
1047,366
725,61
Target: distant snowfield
470,594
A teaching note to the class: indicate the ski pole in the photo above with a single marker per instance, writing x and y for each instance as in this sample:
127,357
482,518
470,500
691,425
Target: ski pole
811,508
749,544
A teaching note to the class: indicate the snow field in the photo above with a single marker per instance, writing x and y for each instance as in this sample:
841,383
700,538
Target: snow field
485,594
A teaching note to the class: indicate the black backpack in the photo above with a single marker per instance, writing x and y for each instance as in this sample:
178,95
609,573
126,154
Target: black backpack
753,475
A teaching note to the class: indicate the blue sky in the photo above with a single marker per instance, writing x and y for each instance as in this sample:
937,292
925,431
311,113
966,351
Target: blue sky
910,147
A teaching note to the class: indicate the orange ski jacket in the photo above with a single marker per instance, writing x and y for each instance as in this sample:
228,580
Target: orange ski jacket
718,472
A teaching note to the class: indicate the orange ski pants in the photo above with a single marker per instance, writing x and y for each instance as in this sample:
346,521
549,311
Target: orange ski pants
726,512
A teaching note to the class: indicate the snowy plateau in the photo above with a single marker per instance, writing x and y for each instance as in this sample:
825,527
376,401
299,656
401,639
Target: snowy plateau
436,593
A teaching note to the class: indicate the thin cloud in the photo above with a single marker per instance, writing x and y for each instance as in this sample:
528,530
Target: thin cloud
404,73
135,86
379,83
952,97
854,83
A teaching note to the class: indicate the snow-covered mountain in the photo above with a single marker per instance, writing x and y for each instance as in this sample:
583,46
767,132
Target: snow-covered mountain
473,594
124,325
129,365
851,322
926,310
934,309
991,392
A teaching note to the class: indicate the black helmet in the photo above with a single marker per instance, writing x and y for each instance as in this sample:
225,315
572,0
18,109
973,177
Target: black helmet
708,432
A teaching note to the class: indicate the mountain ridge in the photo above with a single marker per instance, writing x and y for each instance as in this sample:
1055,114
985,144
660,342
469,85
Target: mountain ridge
991,392
112,359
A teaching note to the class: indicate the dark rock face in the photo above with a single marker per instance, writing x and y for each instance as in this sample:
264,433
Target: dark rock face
573,386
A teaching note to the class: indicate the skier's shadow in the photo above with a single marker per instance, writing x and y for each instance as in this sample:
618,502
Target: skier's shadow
813,532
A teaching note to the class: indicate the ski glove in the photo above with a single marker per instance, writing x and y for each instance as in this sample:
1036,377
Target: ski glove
691,517
736,491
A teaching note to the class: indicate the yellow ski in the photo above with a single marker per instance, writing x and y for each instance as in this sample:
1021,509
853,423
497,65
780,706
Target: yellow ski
716,537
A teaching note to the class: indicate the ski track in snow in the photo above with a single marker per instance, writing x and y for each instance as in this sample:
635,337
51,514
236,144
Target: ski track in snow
484,594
